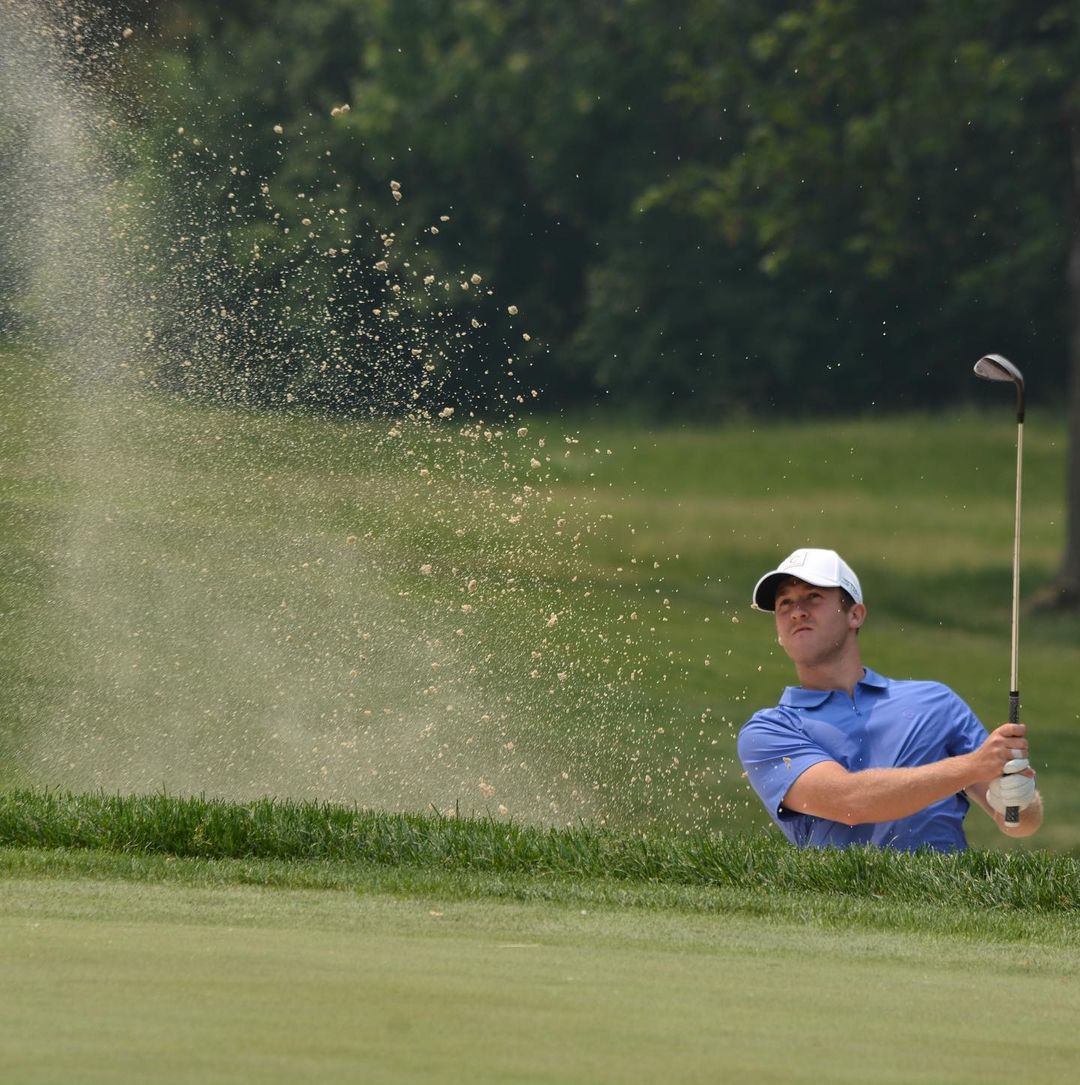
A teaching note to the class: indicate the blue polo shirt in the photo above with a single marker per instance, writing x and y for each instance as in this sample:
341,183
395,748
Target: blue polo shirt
887,724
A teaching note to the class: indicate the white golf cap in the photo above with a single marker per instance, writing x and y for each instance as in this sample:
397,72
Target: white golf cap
822,568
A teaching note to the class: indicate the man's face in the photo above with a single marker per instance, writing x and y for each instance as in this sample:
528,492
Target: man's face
812,625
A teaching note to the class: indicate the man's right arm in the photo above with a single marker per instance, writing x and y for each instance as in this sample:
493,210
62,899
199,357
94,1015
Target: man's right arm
828,790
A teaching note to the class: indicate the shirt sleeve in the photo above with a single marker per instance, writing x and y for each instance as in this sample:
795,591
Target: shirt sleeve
775,752
968,733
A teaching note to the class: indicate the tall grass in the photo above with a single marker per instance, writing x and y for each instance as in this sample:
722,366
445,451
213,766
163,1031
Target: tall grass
1033,882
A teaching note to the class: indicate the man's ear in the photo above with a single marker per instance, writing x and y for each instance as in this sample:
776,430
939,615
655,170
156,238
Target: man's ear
856,616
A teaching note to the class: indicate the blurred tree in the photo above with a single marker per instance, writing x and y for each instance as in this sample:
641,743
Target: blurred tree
923,161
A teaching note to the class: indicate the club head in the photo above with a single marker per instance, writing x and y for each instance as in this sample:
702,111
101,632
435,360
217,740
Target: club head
996,367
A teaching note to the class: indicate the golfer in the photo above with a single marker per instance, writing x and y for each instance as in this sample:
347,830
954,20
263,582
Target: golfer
851,757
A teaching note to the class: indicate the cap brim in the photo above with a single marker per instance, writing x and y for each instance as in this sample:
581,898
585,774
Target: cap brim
764,597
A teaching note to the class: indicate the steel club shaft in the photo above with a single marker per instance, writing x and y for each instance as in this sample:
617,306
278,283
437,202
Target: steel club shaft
995,367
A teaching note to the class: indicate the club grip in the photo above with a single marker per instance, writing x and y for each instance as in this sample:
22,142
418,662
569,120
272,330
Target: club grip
1012,813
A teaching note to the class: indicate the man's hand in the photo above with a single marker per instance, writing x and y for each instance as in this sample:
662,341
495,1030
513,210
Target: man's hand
1002,746
1012,783
1016,789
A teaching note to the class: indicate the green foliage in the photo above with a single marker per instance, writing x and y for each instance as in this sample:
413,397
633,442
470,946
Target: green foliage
705,207
911,168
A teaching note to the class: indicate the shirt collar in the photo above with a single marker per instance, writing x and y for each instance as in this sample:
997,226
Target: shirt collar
797,697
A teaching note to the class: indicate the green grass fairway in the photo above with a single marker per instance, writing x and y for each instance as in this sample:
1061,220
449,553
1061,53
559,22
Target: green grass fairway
109,981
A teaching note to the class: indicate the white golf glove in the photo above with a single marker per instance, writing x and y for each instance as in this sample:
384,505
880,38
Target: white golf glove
1012,789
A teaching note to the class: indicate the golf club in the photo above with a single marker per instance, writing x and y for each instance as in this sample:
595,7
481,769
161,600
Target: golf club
993,367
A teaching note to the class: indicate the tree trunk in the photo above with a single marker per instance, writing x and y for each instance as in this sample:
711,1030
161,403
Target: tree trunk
1064,592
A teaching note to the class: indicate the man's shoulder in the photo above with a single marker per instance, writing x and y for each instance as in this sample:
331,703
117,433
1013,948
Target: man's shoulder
924,699
916,687
770,718
770,733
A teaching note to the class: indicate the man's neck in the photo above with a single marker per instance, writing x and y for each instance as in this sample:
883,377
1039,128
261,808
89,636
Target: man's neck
839,675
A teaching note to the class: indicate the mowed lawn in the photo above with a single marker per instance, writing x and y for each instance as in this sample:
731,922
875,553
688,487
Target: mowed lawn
118,981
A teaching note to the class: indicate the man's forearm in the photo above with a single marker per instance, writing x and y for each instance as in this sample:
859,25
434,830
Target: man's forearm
890,794
870,795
